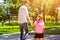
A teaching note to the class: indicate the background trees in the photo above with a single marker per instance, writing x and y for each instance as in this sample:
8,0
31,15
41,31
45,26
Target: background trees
47,7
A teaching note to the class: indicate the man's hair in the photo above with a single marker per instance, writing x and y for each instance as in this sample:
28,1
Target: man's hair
26,1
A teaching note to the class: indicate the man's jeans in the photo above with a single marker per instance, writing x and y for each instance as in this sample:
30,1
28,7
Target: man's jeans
24,26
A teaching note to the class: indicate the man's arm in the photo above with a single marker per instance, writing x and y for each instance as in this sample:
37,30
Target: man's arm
27,16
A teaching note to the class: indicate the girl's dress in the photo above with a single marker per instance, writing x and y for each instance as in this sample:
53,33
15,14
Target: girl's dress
39,29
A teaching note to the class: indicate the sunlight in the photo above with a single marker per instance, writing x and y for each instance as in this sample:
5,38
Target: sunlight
48,1
1,1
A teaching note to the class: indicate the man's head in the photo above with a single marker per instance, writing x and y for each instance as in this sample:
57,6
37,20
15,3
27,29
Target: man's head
27,2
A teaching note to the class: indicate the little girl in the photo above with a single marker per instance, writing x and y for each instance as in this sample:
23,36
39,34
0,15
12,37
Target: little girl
39,28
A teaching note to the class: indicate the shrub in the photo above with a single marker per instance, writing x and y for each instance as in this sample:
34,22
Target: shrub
12,24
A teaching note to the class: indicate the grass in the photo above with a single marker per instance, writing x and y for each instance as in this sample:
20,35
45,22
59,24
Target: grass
13,29
9,29
6,29
52,32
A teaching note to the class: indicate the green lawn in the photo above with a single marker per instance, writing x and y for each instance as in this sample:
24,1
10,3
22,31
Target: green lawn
12,29
52,32
9,29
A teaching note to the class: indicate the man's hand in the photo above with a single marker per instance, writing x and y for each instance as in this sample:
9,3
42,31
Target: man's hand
31,23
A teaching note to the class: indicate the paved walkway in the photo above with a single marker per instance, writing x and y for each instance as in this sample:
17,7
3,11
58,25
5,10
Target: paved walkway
31,37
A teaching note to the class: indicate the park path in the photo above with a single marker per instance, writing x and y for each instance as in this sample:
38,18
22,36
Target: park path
31,37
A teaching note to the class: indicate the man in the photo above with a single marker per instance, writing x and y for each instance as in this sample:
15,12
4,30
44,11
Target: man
22,19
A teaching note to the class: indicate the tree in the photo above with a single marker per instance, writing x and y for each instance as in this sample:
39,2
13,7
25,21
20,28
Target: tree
2,14
42,6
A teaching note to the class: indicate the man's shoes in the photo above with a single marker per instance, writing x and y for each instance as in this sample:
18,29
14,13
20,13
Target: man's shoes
25,36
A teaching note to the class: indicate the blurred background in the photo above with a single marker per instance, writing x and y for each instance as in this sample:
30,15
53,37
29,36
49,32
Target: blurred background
50,9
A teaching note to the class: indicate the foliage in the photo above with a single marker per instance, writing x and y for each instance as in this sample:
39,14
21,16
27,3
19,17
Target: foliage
12,24
36,7
46,24
49,9
2,14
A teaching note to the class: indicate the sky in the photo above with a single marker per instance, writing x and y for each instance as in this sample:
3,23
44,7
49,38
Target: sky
1,0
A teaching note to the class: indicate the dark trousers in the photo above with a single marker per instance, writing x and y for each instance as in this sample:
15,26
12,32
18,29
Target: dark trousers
23,26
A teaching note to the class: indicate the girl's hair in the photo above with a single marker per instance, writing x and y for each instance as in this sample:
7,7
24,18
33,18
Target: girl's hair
40,16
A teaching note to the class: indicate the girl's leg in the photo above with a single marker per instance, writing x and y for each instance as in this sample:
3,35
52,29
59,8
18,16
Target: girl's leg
37,39
41,38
